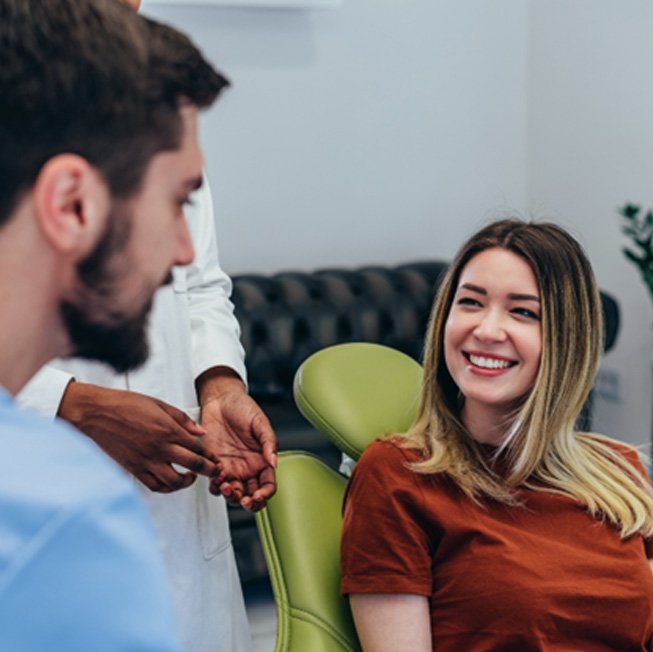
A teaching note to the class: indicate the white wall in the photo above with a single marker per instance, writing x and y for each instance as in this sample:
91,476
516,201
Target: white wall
378,131
590,151
387,130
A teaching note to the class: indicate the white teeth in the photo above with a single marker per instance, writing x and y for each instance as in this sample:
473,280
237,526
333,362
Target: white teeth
488,363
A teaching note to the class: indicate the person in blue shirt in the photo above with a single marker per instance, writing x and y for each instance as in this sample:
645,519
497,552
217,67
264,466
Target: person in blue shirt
78,563
99,155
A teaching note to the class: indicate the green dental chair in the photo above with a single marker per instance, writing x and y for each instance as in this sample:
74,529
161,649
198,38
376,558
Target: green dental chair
351,393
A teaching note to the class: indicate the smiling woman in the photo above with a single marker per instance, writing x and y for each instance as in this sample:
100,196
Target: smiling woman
497,525
493,339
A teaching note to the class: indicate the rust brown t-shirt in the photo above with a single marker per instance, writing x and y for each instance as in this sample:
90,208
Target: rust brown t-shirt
544,577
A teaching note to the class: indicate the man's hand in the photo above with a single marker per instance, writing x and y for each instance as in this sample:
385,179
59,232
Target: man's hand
144,435
240,436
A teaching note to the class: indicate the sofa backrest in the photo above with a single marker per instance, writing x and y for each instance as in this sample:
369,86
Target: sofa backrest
286,317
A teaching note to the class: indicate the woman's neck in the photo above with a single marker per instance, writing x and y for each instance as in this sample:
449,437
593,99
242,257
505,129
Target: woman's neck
486,424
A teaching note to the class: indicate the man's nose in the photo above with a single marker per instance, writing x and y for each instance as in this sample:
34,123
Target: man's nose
185,252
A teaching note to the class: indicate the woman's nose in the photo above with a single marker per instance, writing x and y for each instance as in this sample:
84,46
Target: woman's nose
490,328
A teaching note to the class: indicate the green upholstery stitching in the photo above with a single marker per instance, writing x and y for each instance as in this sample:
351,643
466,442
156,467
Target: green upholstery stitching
314,619
276,578
310,611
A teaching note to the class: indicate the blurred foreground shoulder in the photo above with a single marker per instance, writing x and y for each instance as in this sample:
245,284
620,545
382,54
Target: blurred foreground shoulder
79,564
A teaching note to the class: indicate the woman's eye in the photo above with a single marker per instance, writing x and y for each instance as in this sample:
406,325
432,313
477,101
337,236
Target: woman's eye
468,301
526,312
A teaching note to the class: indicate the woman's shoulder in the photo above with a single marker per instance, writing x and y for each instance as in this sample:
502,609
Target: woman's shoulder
388,450
387,459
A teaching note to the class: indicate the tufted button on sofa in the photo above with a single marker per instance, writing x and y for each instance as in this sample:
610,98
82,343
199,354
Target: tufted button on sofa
286,317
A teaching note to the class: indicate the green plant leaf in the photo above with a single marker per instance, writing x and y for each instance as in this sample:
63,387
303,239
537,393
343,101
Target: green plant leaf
648,220
629,211
633,257
639,230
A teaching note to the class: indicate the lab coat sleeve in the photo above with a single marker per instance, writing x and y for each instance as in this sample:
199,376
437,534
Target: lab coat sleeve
215,333
44,391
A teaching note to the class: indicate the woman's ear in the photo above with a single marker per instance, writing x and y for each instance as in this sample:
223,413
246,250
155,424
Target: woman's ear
72,203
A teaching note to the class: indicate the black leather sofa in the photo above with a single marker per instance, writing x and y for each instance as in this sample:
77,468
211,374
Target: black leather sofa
288,316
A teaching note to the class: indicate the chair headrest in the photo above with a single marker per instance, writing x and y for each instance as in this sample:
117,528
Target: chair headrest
355,392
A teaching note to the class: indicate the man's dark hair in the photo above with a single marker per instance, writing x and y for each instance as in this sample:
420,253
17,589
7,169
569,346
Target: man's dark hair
93,78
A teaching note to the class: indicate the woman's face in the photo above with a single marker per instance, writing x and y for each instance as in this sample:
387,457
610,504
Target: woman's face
493,335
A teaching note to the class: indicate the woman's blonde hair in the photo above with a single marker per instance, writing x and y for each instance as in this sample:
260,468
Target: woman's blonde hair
542,449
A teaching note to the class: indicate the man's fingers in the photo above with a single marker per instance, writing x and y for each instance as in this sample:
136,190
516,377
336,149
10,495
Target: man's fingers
265,489
264,433
232,491
247,502
220,476
192,461
252,505
184,438
153,483
183,431
182,419
270,455
171,479
252,486
267,486
150,481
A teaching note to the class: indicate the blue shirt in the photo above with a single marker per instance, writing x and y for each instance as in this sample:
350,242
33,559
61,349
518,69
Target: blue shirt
80,569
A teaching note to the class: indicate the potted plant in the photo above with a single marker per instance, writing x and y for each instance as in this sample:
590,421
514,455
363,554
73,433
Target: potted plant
638,226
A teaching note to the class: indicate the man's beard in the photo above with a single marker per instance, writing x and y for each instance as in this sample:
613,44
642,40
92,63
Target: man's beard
122,345
95,328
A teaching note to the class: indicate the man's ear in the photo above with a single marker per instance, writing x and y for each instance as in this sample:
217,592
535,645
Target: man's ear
72,203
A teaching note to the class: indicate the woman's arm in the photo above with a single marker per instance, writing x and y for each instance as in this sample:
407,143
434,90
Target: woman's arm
392,622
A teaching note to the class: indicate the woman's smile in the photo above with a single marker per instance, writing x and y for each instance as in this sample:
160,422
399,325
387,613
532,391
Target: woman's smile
484,363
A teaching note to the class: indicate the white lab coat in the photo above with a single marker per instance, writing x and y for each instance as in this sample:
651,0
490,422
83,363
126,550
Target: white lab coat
192,524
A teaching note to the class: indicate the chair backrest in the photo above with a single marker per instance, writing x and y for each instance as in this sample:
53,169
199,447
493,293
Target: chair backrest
351,393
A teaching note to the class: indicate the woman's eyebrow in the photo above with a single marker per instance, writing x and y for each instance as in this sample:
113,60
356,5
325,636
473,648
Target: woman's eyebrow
523,297
473,288
513,296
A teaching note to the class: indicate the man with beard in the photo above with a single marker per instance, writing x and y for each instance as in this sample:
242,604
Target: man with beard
99,155
141,419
